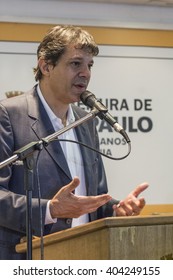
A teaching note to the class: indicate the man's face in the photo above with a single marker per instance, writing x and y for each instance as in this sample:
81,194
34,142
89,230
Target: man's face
70,77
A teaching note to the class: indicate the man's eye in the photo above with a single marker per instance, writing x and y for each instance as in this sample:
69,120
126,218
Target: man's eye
75,63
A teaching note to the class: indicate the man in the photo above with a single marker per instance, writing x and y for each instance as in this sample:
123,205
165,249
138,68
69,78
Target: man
69,178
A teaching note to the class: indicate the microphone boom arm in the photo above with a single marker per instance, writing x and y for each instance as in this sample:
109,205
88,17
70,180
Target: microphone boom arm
91,115
23,152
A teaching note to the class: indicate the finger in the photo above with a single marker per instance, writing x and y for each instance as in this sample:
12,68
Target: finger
73,184
102,199
127,207
133,207
85,204
91,203
119,211
94,202
140,188
136,207
142,202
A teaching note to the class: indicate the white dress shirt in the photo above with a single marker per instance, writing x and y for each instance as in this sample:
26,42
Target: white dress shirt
72,154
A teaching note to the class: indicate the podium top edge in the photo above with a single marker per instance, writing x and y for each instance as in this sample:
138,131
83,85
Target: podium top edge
105,223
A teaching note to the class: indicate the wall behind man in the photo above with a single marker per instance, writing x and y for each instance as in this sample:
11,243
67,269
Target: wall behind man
135,63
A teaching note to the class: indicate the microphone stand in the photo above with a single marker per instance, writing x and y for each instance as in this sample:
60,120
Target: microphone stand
25,154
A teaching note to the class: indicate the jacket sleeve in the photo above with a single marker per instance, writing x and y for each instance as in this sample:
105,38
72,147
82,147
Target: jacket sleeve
13,197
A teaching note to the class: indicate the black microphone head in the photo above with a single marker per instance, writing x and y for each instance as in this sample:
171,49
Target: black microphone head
88,98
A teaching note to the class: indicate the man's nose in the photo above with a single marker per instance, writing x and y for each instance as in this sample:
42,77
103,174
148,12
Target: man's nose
85,72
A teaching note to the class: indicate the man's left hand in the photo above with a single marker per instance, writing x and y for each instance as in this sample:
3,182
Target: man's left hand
131,205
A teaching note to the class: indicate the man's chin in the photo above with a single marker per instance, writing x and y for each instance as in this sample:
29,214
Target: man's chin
77,96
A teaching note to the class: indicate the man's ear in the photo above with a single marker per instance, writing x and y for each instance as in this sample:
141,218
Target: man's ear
44,67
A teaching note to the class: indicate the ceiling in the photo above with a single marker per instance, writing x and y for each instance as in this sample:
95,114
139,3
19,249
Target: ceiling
148,14
163,3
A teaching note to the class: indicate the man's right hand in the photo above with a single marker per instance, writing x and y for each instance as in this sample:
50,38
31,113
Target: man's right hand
65,204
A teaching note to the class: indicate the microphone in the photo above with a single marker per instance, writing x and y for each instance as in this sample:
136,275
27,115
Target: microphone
90,100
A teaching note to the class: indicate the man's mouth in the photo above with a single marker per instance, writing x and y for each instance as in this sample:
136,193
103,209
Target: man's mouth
81,87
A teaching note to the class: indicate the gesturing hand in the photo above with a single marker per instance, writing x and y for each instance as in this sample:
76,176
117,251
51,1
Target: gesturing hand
65,204
131,205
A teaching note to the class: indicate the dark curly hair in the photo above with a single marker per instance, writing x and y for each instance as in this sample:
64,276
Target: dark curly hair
55,41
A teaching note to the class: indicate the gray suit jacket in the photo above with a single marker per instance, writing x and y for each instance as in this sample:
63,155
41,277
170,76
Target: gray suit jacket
23,119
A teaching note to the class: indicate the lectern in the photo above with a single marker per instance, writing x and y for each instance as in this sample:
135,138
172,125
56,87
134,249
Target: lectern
120,238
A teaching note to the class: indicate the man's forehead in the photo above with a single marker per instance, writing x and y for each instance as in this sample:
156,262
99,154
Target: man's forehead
76,52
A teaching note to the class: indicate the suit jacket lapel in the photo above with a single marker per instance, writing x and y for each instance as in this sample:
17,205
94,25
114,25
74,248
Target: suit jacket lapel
42,127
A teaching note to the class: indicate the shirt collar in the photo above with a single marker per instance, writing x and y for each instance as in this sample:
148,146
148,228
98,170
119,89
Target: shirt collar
52,116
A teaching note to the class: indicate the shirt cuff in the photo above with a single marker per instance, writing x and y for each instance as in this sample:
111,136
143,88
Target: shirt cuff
48,217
